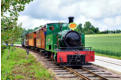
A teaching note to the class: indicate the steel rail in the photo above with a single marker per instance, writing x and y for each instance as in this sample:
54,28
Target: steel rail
102,78
76,73
82,76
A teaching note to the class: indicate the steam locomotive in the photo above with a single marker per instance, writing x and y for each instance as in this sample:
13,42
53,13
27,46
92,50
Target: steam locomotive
61,43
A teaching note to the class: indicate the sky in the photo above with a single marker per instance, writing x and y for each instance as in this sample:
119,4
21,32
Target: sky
104,14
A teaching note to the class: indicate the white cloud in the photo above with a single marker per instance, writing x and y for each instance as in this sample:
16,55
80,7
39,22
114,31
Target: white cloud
113,23
105,14
30,23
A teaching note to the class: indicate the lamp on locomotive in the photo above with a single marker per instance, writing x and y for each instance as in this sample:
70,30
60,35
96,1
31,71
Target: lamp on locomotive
72,26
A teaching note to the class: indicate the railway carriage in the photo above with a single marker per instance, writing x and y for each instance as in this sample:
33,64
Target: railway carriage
40,39
61,43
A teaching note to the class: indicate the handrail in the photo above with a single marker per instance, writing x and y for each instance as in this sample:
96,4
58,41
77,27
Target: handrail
74,48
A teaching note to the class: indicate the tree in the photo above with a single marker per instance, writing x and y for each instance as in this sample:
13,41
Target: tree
10,31
79,28
35,28
87,25
89,28
96,30
13,6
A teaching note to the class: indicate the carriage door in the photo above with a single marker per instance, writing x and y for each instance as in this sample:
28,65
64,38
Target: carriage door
34,39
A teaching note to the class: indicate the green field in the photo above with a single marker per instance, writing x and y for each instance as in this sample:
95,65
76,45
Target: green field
109,44
16,65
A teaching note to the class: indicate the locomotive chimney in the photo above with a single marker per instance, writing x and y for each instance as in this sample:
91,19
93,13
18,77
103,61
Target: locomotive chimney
71,19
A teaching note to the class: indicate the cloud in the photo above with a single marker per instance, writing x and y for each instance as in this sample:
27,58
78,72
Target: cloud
101,13
30,23
113,22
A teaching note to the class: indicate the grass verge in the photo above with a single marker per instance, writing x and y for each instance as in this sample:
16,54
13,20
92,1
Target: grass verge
15,65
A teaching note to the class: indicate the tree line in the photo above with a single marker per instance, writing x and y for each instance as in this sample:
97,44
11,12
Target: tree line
110,31
88,28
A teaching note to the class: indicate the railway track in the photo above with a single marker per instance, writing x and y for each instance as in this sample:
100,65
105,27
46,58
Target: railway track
87,72
82,75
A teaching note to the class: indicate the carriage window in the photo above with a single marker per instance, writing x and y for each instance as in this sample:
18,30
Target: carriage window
51,28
